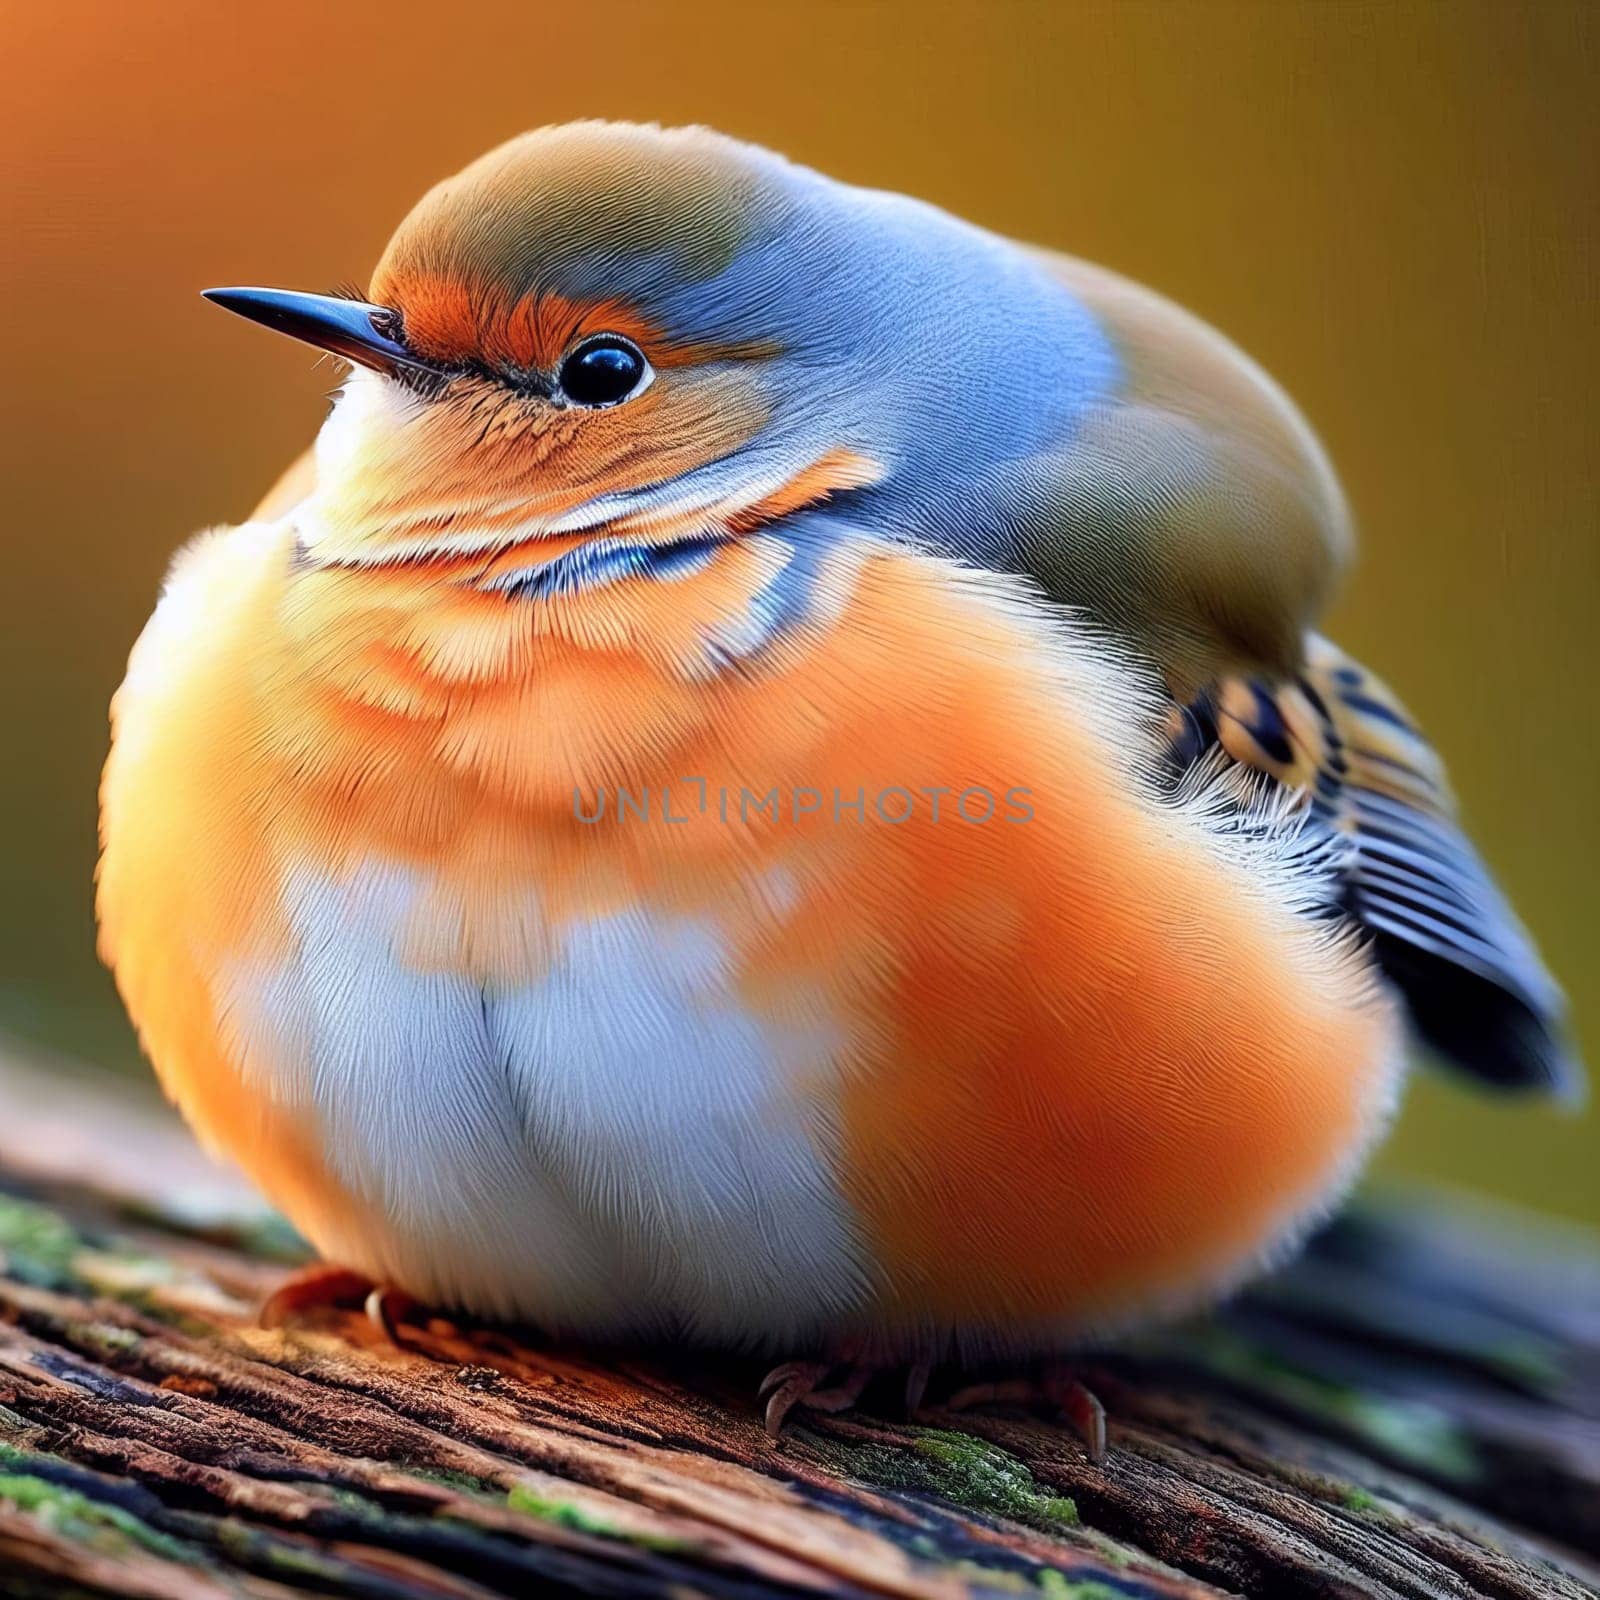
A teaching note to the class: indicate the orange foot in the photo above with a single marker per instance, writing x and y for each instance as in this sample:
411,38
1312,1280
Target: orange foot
1056,1389
800,1383
321,1285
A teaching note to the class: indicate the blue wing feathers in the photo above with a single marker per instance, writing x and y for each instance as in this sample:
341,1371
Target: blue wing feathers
1478,993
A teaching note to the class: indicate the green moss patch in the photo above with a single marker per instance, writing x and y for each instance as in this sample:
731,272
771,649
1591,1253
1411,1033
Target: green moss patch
520,1497
91,1523
982,1476
1058,1586
973,1473
37,1246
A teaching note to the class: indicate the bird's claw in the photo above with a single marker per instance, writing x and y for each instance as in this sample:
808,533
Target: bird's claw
800,1384
313,1288
786,1386
1076,1403
321,1286
386,1309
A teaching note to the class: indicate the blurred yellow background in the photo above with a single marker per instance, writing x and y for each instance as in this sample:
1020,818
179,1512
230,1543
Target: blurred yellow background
1393,206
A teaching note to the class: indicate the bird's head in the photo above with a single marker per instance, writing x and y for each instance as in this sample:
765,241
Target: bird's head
654,335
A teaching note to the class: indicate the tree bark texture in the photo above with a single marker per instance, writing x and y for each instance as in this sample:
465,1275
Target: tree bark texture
1412,1409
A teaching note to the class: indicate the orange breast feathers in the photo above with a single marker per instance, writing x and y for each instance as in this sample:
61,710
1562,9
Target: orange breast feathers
1069,1052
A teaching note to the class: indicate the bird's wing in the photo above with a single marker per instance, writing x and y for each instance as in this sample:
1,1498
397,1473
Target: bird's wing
1476,989
1194,515
1191,507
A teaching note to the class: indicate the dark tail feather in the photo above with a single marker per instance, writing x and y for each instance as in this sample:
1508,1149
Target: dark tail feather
1478,994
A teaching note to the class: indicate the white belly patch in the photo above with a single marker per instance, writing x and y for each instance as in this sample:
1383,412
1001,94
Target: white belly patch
620,1147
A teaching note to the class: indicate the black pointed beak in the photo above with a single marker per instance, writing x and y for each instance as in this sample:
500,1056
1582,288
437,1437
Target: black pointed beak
353,329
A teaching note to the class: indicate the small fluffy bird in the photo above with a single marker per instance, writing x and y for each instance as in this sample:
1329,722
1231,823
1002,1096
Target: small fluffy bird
769,782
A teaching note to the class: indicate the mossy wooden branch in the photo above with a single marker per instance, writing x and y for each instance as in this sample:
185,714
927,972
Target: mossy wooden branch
1413,1410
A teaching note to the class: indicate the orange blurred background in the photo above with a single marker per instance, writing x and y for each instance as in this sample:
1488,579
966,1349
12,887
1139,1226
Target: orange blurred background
1393,206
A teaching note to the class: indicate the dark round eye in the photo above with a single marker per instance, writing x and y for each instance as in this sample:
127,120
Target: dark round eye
603,370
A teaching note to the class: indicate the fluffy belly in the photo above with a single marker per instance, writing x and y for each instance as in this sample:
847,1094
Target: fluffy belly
616,1147
787,1081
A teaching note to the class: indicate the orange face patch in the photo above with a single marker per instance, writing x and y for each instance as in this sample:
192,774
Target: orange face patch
483,468
454,321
